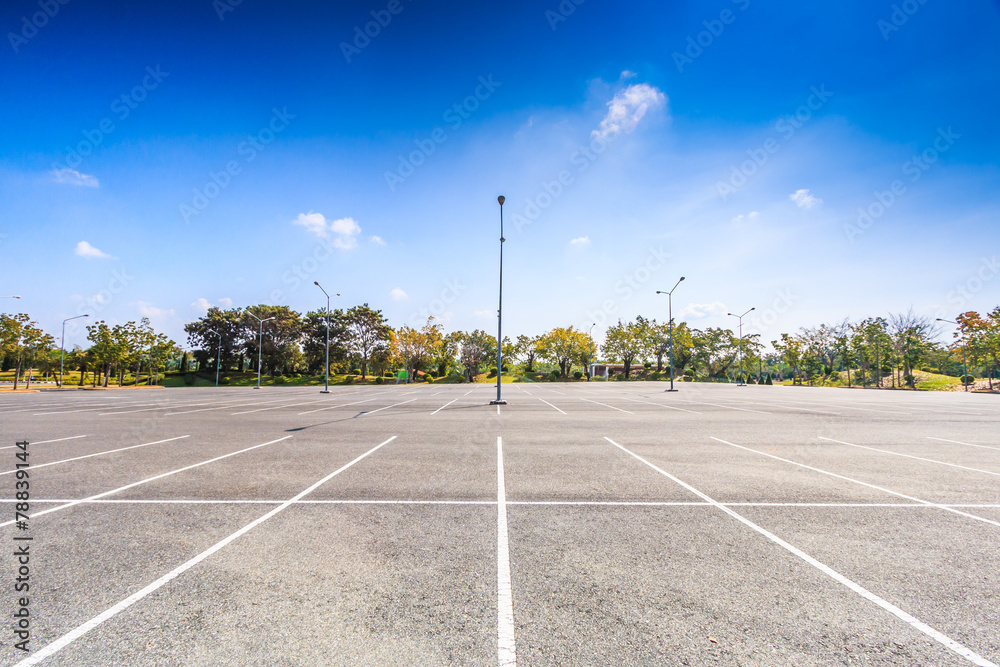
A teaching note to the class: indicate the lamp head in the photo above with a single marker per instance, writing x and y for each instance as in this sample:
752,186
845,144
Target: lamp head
682,278
316,283
501,199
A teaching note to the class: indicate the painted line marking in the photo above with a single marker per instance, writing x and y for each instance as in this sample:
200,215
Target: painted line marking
506,649
444,406
947,508
550,405
522,389
661,405
276,407
606,405
42,442
331,407
791,407
81,630
150,479
910,620
110,451
910,456
223,407
942,440
371,412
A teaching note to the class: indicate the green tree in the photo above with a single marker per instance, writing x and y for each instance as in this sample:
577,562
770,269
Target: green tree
526,349
563,346
368,333
476,348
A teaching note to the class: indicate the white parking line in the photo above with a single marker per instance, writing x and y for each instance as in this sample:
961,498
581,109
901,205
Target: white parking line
550,405
110,451
792,407
947,508
909,456
956,442
81,630
42,442
331,407
370,412
730,407
150,479
444,406
224,407
277,407
910,620
661,405
606,405
506,649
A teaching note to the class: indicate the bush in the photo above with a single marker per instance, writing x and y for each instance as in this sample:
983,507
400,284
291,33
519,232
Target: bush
492,373
656,375
909,379
278,379
554,375
768,380
648,365
355,371
966,379
349,379
428,377
225,379
578,375
379,380
690,372
189,379
506,368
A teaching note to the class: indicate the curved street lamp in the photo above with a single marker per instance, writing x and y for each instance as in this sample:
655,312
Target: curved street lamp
260,343
326,387
500,400
965,368
741,383
670,324
62,343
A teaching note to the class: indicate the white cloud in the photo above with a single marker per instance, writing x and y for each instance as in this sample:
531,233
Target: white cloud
149,310
485,313
749,216
226,301
398,294
804,199
697,311
627,108
378,240
345,230
73,177
201,305
628,74
580,241
84,249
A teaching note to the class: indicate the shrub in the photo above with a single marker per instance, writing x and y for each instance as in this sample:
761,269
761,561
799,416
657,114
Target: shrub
656,375
349,379
690,372
554,375
428,377
225,380
189,379
492,373
648,365
768,380
379,380
966,379
506,368
278,379
578,375
355,371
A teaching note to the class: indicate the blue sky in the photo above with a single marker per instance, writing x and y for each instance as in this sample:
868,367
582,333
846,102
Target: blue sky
816,162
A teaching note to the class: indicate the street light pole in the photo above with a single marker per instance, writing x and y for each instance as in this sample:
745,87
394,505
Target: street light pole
670,327
260,343
500,400
590,370
62,344
326,387
741,383
965,368
218,355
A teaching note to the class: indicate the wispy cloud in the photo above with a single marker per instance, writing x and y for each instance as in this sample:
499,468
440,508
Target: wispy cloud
804,199
201,305
378,240
344,230
580,241
749,216
149,310
627,108
398,294
73,177
84,249
485,313
697,311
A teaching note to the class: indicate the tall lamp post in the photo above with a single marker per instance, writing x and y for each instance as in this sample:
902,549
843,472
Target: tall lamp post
670,326
326,386
965,368
500,400
741,383
260,343
62,344
218,354
590,370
